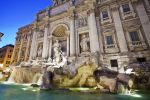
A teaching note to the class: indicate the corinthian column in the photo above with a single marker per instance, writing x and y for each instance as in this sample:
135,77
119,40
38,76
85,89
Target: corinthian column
20,49
33,50
50,46
119,28
144,19
45,43
94,43
72,35
27,48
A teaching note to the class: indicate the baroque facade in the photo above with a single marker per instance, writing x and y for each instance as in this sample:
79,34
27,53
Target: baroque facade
119,30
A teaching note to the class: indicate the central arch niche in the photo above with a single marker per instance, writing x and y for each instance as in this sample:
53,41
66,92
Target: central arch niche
59,34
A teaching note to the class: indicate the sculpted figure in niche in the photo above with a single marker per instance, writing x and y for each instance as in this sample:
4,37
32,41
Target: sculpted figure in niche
39,53
57,52
55,2
22,53
84,44
57,46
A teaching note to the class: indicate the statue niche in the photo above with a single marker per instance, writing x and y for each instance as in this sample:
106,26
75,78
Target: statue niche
84,43
39,52
57,57
60,40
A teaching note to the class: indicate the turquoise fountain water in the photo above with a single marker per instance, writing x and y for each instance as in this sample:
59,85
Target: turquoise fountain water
23,92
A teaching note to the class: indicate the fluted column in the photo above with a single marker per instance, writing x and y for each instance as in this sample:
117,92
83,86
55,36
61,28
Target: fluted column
100,36
20,49
144,19
45,43
68,43
72,35
27,48
94,43
50,46
119,28
13,55
33,50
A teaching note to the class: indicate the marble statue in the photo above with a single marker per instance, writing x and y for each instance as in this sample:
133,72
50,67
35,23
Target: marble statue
39,53
57,52
84,44
57,46
55,2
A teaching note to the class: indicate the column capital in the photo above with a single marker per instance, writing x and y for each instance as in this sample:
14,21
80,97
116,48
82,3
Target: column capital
72,15
46,25
90,11
67,33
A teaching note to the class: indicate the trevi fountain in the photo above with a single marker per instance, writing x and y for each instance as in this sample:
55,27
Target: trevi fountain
64,74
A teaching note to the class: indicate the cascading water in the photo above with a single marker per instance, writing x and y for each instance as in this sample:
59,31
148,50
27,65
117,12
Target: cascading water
13,73
21,75
36,78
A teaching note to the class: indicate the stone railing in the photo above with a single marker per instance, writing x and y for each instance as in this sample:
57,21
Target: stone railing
137,44
111,48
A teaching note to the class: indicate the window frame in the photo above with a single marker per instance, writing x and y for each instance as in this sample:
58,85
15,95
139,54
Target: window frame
131,39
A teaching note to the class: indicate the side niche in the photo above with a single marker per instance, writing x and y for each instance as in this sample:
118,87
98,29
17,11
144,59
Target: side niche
84,43
39,50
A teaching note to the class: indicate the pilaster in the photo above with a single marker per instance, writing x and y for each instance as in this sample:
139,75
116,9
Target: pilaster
45,43
27,48
20,48
72,32
119,28
33,50
144,19
93,34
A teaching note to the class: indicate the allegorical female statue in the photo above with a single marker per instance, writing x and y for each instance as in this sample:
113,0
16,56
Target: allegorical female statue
39,53
84,44
57,52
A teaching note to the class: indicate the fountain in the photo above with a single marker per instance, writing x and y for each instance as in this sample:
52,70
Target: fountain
83,73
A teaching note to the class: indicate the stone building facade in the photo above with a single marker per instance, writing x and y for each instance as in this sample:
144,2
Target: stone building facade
5,56
119,30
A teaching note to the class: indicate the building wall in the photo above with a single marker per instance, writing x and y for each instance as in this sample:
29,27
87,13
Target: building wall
109,25
5,56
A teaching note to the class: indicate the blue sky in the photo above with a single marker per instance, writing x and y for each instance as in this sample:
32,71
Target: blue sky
17,13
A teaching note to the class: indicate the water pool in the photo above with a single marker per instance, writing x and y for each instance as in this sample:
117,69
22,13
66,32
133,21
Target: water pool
21,92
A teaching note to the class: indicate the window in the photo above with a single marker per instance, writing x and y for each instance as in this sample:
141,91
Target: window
114,63
7,62
9,56
109,40
126,8
141,60
134,36
105,15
